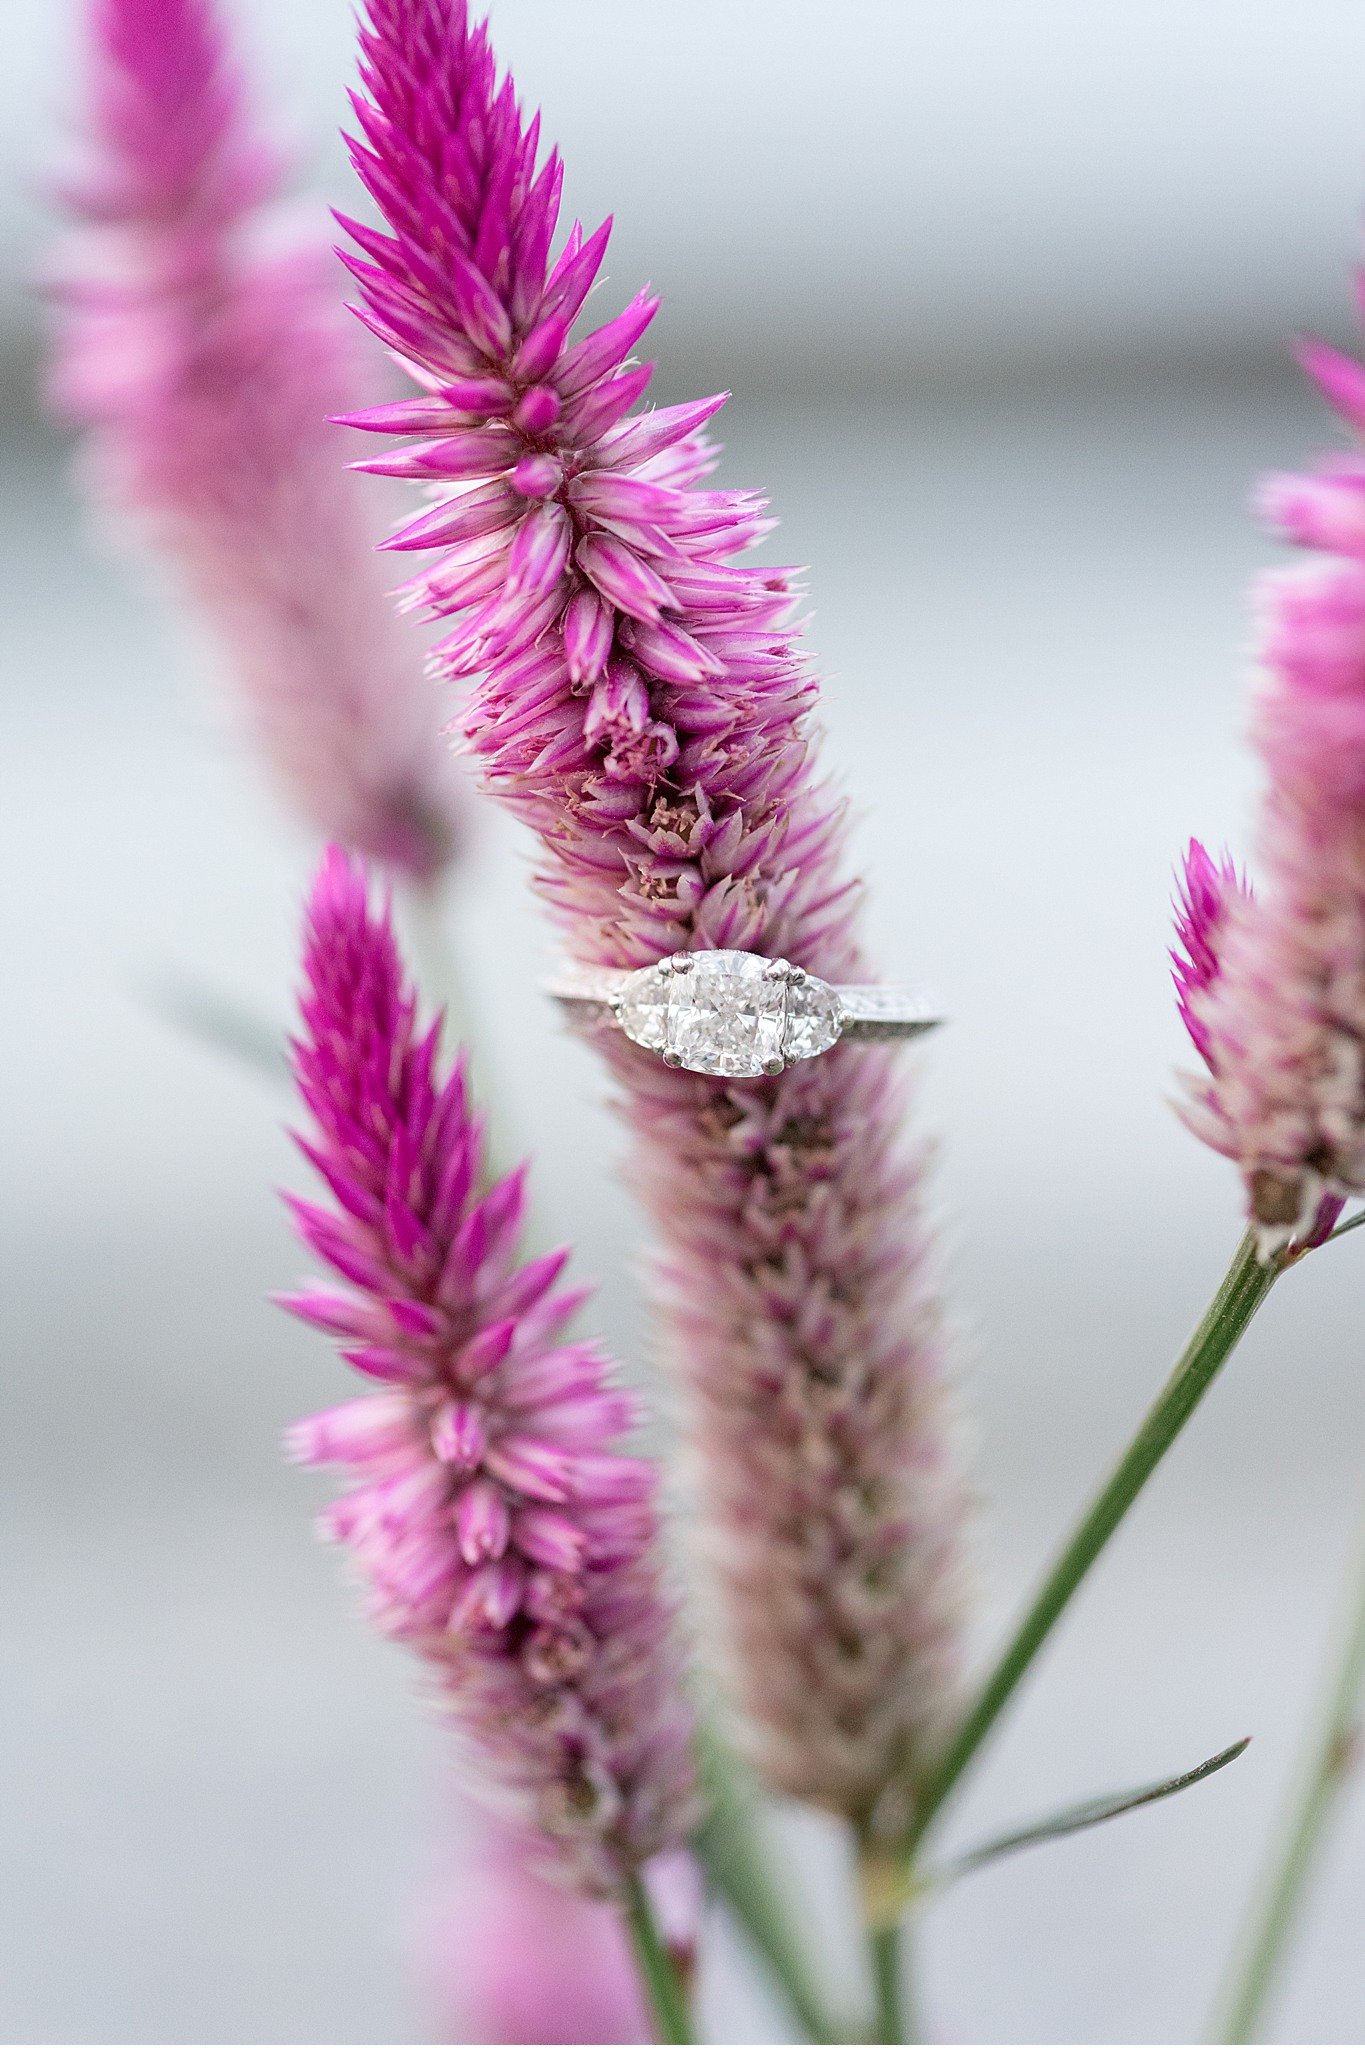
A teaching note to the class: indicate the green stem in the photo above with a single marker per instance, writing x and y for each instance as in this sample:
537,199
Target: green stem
218,1021
658,1972
738,1866
884,1954
1329,1763
1244,1288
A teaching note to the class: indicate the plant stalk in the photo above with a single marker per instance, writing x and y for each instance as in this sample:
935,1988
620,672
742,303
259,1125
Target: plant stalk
1333,1755
735,1860
658,1972
1244,1288
885,1889
884,1953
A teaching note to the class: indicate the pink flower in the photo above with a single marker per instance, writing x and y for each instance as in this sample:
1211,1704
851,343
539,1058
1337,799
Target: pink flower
1281,1023
204,354
501,1530
510,1957
643,704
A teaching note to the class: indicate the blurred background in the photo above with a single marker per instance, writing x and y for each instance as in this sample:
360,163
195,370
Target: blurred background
1005,295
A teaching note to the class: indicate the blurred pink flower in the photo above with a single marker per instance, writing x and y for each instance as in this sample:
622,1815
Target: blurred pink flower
643,704
503,1534
1281,1024
204,357
510,1957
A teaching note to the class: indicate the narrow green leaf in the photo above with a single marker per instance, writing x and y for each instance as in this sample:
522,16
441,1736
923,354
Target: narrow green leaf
736,1860
1263,1949
1090,1813
217,1020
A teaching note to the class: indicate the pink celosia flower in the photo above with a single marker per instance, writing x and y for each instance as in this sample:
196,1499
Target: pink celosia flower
508,1956
643,705
1281,1023
205,361
502,1532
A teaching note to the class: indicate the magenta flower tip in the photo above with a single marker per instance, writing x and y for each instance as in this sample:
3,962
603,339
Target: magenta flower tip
1203,890
501,1530
1340,378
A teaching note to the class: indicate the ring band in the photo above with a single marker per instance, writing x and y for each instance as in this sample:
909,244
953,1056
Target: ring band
735,1014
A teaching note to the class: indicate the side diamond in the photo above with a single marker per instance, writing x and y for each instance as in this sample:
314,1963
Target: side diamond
813,1019
643,1006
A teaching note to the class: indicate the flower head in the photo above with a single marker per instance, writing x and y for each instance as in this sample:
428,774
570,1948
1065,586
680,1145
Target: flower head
1281,1022
502,1531
641,701
204,353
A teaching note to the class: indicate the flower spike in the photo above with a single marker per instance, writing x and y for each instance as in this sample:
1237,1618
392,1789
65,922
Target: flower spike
1281,1023
204,353
642,702
502,1532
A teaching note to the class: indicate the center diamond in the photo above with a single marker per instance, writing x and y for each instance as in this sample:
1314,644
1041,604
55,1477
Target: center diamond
725,1014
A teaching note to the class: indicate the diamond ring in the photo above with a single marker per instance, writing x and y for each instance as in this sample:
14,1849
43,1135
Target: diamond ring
736,1014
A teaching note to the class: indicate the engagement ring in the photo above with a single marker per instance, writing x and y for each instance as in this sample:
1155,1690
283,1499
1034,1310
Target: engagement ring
735,1014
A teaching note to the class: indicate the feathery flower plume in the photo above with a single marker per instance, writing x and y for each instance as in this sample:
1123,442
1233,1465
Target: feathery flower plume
503,1534
204,359
1282,1022
643,704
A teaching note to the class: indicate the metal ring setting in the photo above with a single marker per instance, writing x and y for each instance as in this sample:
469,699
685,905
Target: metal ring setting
735,1014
